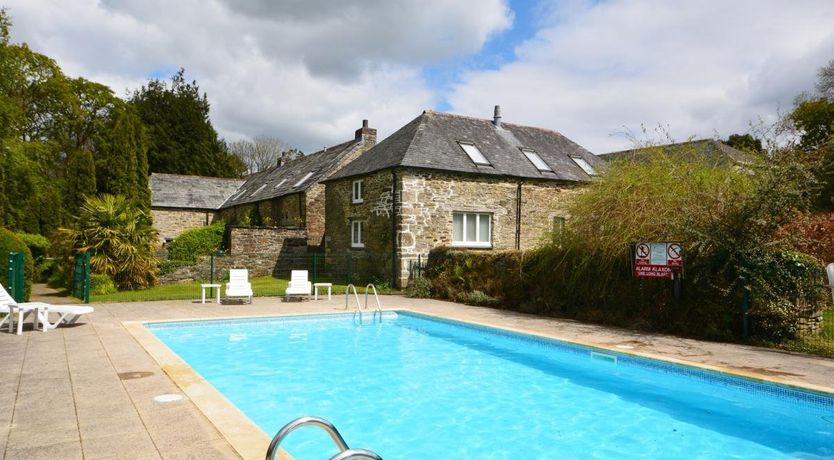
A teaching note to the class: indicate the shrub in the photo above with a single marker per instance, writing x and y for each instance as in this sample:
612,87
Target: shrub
39,246
119,238
420,288
101,284
480,299
193,243
9,242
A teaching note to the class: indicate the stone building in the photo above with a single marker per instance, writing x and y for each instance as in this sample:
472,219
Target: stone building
288,195
180,202
451,180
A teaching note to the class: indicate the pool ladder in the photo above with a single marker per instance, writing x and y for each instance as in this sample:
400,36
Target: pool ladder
358,309
345,452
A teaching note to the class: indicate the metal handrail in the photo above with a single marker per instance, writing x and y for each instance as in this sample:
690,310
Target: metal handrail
376,296
345,452
355,294
356,453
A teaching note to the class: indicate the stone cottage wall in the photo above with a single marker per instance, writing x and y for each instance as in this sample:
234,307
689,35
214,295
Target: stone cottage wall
541,203
375,259
267,240
171,222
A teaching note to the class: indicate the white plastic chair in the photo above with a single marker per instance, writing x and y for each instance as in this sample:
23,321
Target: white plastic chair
239,285
829,270
299,285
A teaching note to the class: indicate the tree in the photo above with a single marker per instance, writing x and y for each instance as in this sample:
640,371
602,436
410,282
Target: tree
744,142
181,138
119,237
825,80
261,153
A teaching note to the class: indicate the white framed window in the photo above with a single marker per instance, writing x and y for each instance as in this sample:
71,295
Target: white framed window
537,161
589,170
474,153
357,233
303,179
356,195
472,229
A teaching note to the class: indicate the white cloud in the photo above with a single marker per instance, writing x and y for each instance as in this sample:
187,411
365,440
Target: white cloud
305,71
700,67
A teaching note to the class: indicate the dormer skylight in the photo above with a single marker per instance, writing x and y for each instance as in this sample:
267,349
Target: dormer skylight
589,170
258,190
536,160
280,183
474,154
303,179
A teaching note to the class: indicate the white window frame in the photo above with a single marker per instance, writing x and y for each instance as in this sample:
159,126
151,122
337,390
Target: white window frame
464,243
474,153
357,233
583,163
537,160
356,191
280,183
303,179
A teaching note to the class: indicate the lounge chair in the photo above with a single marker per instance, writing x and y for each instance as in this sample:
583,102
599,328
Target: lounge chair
68,314
299,285
239,285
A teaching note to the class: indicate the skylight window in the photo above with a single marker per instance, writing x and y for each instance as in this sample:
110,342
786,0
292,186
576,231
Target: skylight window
303,179
280,183
585,166
474,154
258,190
536,160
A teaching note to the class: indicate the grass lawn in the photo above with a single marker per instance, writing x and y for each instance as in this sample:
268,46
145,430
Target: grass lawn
262,286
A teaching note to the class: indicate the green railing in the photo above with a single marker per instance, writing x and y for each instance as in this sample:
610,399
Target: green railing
16,277
81,278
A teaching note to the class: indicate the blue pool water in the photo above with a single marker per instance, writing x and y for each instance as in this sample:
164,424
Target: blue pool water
415,387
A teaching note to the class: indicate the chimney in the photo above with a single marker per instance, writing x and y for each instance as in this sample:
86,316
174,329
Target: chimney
366,134
496,119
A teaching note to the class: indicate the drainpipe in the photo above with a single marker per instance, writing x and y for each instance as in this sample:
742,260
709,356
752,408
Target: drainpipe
518,216
394,277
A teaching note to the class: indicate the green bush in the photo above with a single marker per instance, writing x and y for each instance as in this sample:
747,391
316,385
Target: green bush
9,242
420,288
202,241
101,284
478,298
39,246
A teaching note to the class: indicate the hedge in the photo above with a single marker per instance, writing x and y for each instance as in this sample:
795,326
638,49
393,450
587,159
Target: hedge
783,285
9,242
193,243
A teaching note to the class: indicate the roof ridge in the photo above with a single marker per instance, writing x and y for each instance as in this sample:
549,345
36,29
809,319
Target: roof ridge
196,176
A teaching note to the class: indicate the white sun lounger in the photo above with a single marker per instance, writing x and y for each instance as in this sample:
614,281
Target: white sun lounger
239,285
68,314
299,285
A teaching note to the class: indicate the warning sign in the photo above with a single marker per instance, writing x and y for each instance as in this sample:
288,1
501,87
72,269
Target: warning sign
658,260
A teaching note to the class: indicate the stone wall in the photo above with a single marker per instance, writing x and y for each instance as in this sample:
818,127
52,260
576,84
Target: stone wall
426,201
315,216
267,240
171,222
374,260
257,264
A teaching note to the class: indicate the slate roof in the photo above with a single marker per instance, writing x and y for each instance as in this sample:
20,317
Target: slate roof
191,192
712,150
280,180
430,141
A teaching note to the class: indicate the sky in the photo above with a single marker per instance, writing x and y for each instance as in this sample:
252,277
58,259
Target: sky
309,71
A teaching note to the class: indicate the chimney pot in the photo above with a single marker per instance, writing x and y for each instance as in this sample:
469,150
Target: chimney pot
364,123
496,120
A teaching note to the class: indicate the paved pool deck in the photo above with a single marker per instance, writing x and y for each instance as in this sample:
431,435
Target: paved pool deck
87,391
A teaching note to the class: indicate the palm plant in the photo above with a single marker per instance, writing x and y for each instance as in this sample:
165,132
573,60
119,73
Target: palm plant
119,238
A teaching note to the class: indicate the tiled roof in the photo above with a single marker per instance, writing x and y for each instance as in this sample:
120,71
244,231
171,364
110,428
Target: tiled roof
191,192
283,180
712,150
431,141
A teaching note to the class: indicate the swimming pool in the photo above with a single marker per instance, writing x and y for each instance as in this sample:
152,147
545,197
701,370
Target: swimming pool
413,386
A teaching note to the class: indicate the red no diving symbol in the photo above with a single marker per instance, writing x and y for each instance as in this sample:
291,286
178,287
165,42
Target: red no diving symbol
674,251
642,251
